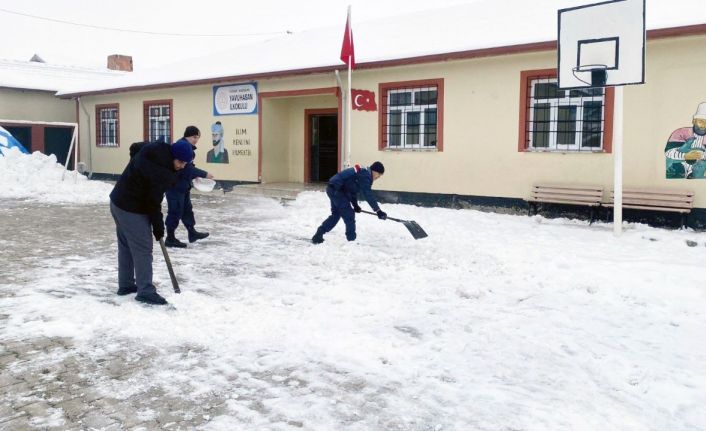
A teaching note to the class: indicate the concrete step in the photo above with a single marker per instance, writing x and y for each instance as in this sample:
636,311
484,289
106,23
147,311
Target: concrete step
287,191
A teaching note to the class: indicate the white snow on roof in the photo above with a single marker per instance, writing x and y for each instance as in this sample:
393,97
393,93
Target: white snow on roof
32,75
478,25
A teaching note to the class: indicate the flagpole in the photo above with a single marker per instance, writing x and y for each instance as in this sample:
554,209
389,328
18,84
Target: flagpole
350,100
348,122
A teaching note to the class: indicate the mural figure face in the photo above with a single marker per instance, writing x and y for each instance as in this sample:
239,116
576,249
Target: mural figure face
217,137
217,133
700,126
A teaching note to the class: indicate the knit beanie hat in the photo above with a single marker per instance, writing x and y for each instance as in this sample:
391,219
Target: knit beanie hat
377,167
181,150
192,131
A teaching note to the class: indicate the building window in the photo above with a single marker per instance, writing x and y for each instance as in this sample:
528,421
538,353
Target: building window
411,114
552,119
158,120
107,125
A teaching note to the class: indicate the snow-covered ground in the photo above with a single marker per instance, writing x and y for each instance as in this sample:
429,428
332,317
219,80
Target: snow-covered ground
493,322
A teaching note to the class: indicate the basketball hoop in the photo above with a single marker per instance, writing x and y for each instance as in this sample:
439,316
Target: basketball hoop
601,45
599,74
593,39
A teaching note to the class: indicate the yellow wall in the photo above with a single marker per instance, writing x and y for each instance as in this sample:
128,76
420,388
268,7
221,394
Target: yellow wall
283,135
35,106
275,142
191,106
481,115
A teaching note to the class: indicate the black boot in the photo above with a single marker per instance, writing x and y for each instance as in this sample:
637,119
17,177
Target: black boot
171,241
150,298
122,291
195,236
318,237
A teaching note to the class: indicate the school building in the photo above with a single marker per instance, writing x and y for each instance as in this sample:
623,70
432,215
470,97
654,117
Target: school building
471,116
29,108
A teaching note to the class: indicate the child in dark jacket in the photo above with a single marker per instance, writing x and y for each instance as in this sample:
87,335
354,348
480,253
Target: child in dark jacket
179,196
342,191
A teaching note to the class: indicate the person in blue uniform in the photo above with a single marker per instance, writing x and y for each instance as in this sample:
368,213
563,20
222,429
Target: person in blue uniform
179,196
342,191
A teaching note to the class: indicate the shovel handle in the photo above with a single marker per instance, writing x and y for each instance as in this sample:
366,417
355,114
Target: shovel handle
172,276
387,218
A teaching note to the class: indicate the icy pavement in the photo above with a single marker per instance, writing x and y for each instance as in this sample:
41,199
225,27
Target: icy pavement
494,322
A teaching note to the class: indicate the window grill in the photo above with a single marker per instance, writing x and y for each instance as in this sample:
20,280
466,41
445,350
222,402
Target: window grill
564,120
108,126
410,117
158,122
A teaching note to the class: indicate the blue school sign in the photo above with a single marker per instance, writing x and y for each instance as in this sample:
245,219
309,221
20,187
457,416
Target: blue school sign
240,99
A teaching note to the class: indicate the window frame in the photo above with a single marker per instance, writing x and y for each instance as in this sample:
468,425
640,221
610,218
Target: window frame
146,105
99,123
384,111
525,136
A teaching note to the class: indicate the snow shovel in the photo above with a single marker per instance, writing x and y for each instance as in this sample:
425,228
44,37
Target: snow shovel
175,283
225,188
411,225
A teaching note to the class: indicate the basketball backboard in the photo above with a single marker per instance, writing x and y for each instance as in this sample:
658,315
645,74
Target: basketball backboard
602,44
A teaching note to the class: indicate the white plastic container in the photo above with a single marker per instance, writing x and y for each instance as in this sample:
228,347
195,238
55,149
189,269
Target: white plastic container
203,184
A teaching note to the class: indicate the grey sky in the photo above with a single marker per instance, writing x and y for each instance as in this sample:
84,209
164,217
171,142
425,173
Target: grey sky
82,46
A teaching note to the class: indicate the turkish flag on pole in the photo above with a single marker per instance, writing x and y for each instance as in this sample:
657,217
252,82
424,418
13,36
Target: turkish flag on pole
347,52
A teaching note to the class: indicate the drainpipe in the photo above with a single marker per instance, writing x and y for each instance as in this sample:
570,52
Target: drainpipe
88,125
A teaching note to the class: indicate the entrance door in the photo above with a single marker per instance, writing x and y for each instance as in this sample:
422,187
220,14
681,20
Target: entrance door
57,141
324,146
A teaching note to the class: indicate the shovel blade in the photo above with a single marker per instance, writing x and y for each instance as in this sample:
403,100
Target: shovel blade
416,230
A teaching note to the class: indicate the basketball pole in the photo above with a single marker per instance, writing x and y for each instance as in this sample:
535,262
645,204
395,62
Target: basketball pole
618,162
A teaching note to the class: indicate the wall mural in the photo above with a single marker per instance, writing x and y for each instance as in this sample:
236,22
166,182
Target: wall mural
686,150
218,154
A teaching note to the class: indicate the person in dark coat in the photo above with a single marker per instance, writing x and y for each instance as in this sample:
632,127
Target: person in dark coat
342,191
179,196
136,207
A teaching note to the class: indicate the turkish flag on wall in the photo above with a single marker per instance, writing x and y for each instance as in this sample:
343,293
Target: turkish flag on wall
363,100
347,47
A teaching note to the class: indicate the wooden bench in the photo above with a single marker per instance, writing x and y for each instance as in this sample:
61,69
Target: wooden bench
675,201
568,194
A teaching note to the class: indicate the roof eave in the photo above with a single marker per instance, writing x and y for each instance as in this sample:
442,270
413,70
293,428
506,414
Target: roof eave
12,87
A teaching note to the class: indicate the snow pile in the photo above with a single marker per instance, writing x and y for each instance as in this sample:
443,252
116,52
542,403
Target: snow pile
37,177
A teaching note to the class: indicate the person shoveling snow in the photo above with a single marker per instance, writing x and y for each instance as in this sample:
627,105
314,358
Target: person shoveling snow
342,191
136,206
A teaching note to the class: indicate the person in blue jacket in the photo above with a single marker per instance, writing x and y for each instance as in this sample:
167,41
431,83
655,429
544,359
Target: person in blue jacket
136,207
342,191
179,196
